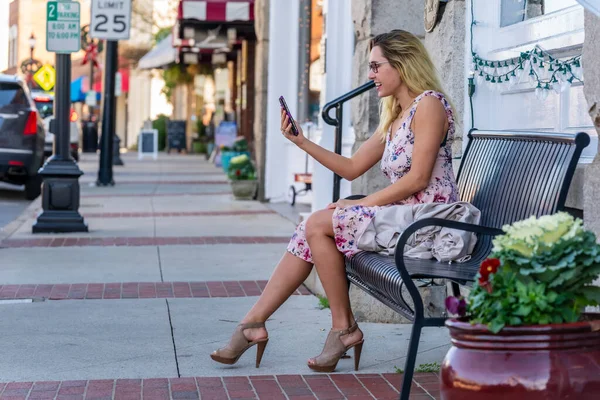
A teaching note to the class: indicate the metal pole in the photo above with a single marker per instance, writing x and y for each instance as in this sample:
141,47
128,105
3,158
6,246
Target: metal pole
91,108
116,154
304,60
63,106
339,116
105,173
60,190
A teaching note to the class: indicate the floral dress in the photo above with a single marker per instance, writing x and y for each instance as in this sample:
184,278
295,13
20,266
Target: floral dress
349,223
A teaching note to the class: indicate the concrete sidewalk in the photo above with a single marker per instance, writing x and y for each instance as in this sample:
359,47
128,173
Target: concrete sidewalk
170,264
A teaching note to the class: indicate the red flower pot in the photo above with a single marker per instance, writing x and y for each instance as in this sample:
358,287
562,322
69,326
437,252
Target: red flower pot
530,362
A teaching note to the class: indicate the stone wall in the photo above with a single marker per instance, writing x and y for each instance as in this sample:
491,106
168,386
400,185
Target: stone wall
445,46
261,63
444,43
370,18
591,89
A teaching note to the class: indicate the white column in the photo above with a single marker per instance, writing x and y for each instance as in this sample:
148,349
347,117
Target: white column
282,81
338,80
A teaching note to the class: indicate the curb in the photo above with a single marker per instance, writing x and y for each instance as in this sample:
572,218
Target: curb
13,226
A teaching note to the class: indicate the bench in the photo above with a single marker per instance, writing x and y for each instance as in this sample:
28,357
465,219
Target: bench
508,176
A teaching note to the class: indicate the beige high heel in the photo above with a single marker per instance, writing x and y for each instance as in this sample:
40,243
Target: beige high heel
334,349
239,344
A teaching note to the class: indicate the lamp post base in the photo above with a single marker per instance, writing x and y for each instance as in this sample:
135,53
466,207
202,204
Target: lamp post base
60,198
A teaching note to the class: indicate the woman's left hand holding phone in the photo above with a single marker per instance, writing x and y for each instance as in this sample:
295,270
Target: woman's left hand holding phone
286,129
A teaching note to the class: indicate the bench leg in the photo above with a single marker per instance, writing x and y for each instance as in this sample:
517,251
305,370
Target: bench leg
411,358
455,289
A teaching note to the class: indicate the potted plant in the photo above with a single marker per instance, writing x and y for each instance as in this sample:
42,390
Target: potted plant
242,176
524,332
238,148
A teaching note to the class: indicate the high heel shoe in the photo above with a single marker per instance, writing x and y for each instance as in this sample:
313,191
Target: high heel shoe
334,349
239,344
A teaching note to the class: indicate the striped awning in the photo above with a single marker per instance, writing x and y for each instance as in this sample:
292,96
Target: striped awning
216,10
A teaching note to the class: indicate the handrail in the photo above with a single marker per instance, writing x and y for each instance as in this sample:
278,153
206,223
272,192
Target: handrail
337,122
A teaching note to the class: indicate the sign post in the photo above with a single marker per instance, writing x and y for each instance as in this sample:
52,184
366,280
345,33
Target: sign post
60,190
111,21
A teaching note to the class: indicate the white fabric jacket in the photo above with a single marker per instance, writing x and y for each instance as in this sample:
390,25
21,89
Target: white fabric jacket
444,244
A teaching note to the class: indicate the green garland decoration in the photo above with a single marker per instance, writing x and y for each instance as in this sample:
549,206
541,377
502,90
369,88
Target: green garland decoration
543,70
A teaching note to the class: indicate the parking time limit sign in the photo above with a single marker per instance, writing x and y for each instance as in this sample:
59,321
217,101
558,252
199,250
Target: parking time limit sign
62,27
111,19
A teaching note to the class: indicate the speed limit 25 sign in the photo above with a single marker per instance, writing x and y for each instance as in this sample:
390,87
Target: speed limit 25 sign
111,19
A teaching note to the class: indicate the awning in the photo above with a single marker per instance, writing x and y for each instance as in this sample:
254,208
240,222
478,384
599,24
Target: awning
216,10
162,54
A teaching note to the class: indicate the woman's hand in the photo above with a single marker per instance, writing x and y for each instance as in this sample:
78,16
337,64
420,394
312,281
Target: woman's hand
286,129
341,203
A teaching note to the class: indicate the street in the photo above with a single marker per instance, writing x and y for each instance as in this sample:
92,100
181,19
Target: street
12,203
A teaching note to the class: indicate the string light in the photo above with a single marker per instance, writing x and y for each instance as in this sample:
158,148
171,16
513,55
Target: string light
536,67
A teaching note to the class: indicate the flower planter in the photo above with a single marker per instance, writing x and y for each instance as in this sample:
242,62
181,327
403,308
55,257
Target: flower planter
226,157
244,189
525,362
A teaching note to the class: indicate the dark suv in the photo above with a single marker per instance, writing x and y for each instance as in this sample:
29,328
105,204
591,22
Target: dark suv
21,137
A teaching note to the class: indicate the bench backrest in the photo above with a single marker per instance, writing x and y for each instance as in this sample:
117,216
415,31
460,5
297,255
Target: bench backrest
512,175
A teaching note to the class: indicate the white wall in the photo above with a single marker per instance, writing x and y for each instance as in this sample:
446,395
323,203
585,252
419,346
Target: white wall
339,34
283,158
518,108
282,81
3,35
159,103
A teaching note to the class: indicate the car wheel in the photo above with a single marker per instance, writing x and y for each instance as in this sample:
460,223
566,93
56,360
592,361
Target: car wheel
33,187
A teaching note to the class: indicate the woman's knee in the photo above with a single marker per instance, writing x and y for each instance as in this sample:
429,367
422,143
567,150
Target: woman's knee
319,224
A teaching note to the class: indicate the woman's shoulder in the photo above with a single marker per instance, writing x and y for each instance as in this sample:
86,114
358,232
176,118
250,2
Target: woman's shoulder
434,99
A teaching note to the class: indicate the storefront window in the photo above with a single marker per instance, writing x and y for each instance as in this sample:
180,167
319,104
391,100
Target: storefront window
515,11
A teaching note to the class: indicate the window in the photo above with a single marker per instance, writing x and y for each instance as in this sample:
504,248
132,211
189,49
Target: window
12,46
12,94
515,11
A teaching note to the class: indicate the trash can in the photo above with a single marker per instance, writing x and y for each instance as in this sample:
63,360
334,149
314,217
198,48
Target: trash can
90,136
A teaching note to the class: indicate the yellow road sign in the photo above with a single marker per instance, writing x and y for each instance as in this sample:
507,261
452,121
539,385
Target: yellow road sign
45,77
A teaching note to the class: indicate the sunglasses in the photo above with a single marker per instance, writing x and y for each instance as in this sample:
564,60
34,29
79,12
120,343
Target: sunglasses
374,66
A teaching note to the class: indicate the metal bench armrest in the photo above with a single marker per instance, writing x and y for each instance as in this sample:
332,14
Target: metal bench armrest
408,232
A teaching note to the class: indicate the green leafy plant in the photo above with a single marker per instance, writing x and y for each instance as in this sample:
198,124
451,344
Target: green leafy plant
160,124
241,168
323,302
540,272
428,367
240,144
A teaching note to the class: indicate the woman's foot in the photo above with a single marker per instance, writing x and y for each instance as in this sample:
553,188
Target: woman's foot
254,334
338,342
245,336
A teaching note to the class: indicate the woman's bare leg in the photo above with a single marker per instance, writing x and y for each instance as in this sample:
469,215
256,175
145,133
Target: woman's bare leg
290,272
332,272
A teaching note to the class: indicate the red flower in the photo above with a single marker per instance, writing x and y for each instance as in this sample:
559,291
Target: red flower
238,172
488,266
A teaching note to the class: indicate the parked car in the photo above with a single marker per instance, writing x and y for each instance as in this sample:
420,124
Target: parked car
44,102
22,136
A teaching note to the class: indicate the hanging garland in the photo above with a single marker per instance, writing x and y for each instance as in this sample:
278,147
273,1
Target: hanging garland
536,66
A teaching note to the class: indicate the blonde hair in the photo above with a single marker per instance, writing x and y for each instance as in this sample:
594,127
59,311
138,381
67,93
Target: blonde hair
408,55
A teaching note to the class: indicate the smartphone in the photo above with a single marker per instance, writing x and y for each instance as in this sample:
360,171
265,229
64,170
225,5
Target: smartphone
289,114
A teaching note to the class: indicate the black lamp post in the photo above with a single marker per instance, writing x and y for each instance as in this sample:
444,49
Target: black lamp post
31,41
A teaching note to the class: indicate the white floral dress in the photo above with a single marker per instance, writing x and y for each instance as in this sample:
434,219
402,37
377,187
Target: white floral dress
349,223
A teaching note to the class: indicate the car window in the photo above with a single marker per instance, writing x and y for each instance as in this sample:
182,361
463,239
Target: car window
12,94
45,107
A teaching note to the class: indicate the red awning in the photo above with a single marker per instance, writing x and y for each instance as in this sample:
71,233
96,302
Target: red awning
216,10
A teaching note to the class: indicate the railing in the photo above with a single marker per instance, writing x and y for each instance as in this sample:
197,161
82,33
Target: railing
338,104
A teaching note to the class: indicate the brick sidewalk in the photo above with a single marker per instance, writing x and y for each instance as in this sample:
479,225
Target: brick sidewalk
296,387
137,290
186,241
